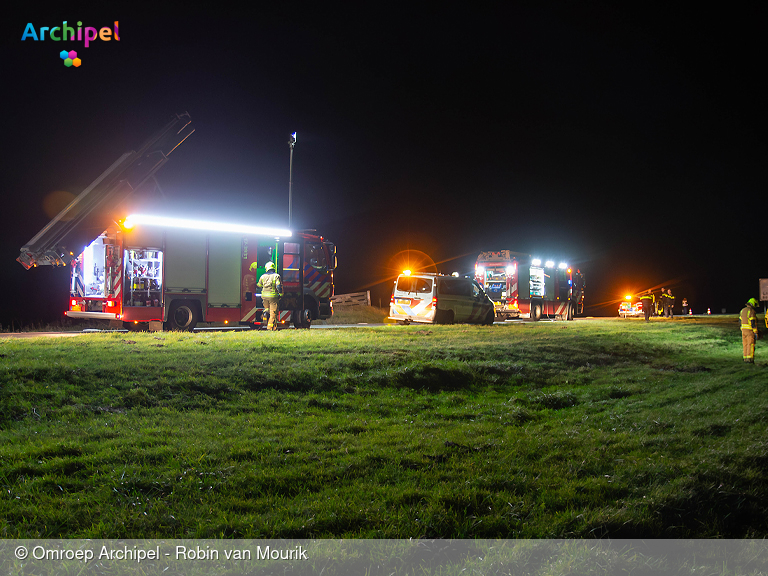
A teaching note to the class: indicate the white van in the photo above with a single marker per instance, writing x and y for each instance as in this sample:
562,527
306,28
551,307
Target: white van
439,299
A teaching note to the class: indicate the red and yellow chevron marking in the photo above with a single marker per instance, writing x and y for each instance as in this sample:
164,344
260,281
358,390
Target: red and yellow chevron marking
321,284
282,315
412,309
512,295
117,281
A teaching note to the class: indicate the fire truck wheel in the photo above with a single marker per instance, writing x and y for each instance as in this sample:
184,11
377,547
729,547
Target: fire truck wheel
302,319
536,312
182,316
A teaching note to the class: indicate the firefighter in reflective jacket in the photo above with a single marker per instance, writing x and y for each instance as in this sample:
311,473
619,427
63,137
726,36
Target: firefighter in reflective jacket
667,302
748,318
271,289
647,299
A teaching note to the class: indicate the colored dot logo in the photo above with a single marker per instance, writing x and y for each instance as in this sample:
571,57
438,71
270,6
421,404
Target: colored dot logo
70,58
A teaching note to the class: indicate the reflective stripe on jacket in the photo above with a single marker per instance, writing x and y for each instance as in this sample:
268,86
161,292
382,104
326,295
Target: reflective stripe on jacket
748,319
271,285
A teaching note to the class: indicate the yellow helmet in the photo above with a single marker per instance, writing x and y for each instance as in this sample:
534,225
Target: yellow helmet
270,266
752,302
254,266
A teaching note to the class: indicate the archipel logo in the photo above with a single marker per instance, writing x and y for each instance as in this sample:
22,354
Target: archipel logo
70,58
67,34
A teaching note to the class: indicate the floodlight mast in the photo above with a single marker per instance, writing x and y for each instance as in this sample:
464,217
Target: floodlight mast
291,144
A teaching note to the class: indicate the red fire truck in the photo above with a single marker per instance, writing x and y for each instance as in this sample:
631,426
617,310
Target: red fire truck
522,286
182,272
144,268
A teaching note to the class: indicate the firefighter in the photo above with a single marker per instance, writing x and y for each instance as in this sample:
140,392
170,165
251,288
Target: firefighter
648,300
670,302
663,304
659,309
749,334
271,289
250,279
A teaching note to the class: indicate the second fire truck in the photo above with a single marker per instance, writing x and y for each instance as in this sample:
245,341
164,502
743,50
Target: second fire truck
523,286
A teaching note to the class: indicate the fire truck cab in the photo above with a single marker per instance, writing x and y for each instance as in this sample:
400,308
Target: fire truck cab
522,286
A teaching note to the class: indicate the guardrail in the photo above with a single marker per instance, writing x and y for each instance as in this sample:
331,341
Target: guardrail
354,299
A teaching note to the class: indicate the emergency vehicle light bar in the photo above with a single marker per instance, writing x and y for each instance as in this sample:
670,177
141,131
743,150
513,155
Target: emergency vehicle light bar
549,263
149,220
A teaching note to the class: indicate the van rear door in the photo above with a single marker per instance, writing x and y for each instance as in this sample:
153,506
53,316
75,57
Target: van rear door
412,299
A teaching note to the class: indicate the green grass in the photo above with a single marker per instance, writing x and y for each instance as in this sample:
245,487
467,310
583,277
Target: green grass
63,325
595,428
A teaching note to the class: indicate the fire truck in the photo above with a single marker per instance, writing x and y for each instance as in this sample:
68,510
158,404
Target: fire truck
138,269
522,286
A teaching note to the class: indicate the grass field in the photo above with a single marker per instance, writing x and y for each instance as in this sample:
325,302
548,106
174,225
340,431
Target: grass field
593,428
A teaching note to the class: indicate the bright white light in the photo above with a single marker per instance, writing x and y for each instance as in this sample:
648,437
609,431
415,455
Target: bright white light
149,220
550,264
510,270
536,262
562,265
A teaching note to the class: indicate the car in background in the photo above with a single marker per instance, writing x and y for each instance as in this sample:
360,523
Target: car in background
629,309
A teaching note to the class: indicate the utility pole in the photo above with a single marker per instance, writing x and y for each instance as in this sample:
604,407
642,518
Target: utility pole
291,144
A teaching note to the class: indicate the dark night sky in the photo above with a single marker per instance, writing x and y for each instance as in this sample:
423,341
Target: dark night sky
628,140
